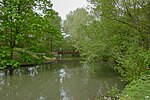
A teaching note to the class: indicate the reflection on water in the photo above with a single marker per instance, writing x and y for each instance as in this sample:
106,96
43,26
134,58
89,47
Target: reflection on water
1,80
61,81
62,75
63,92
33,71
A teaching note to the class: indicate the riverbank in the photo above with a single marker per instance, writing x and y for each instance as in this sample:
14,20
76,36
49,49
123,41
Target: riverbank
137,90
46,60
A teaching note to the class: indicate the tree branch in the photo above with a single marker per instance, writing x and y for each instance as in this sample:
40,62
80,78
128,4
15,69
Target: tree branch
123,22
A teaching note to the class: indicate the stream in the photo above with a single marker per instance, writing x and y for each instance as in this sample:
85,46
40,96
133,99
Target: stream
70,80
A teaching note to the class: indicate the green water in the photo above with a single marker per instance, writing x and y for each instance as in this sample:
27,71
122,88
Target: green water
60,81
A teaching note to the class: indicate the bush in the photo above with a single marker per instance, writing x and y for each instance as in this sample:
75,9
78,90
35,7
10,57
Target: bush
133,64
138,89
5,59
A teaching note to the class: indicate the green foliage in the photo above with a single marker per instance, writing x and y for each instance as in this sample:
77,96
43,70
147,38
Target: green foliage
117,30
27,57
73,26
9,64
112,33
112,93
22,26
5,59
137,89
133,65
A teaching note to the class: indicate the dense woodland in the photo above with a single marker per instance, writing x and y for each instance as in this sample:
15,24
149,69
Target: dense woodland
110,30
28,28
113,30
119,31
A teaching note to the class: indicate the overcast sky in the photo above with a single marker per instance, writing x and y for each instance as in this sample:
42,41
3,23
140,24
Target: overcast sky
63,7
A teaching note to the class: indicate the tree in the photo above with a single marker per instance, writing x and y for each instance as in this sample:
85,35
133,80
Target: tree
26,26
73,25
133,13
118,30
126,29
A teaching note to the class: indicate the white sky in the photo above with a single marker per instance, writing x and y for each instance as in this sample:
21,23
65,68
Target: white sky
63,7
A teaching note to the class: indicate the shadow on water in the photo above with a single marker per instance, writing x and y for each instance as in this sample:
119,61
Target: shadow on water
60,81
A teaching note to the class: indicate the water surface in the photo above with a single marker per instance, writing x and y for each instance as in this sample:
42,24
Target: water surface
60,81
